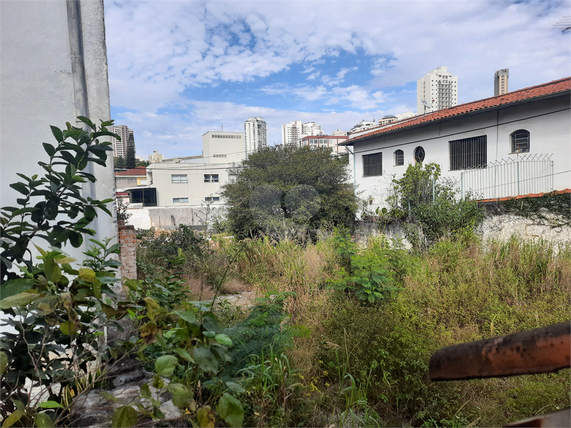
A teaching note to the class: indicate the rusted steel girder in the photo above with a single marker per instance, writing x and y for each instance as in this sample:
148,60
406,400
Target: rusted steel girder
542,350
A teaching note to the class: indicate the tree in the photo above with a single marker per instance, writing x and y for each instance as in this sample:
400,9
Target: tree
119,162
289,191
130,161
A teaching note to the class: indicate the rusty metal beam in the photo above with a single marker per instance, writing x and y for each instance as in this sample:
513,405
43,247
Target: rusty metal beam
542,350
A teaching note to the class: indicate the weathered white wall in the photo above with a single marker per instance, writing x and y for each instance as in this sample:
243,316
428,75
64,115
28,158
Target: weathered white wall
196,190
548,122
41,85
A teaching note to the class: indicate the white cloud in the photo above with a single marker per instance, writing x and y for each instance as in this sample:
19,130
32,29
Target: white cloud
160,52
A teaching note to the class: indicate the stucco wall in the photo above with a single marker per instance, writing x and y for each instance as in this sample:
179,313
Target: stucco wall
41,85
548,122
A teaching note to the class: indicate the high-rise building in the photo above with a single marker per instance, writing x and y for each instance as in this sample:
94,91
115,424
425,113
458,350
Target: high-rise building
120,146
436,90
293,132
501,78
256,134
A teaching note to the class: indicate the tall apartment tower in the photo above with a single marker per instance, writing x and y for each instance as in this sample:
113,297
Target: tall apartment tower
436,90
293,132
256,134
501,78
120,147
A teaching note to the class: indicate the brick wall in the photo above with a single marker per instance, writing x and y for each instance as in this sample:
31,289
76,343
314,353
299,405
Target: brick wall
128,255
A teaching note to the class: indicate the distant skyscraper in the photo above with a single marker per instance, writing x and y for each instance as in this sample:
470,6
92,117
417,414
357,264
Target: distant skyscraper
256,134
501,78
436,90
293,132
120,147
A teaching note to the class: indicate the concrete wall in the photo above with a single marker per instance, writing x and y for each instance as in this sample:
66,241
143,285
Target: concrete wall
54,68
547,120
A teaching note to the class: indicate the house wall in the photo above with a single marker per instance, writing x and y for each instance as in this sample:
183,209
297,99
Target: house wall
195,189
54,68
547,121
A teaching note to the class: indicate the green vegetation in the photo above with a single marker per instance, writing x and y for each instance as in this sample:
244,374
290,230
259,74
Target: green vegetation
339,335
287,192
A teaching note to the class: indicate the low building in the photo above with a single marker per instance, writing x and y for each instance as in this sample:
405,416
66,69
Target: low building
131,178
503,146
330,141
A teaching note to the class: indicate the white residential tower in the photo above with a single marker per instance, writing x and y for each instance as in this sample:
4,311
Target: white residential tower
256,135
436,90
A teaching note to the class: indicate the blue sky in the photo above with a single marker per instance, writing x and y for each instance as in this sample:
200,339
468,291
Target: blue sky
178,69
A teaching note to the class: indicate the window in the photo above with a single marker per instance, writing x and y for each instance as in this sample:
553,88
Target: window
212,198
468,153
373,165
179,178
231,178
211,178
520,141
180,200
399,157
419,154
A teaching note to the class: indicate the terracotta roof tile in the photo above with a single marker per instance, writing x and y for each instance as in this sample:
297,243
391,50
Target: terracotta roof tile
137,171
551,88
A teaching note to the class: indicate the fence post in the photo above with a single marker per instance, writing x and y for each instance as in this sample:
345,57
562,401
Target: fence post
518,177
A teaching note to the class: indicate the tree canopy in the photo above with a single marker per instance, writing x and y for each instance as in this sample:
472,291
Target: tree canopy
289,191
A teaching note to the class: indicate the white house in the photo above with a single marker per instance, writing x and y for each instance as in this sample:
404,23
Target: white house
513,144
187,190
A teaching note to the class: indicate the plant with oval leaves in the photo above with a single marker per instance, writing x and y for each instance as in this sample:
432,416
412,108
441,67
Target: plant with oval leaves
56,310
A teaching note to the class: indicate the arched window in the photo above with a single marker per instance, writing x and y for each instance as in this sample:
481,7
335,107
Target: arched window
520,141
399,157
419,154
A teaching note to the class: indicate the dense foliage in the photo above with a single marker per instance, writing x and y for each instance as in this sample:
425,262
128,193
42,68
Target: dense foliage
289,191
431,205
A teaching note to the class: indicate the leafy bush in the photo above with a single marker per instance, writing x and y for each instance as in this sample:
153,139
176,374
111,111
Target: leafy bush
431,205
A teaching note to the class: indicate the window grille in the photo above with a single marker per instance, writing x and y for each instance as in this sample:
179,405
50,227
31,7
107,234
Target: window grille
520,141
468,153
373,165
179,178
211,178
419,154
399,157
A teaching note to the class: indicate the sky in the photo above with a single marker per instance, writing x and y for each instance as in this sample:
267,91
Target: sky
178,69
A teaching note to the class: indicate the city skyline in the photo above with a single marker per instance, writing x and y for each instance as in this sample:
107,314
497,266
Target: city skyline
193,67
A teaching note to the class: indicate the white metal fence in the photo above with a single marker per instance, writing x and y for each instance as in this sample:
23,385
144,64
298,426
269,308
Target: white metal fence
532,173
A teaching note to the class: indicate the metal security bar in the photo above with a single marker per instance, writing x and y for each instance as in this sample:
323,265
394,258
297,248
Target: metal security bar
468,153
526,174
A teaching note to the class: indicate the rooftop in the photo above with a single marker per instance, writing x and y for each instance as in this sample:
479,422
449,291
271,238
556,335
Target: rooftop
544,90
138,171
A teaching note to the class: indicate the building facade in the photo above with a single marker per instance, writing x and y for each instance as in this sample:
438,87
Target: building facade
196,180
120,145
501,78
294,132
504,146
256,135
330,141
436,90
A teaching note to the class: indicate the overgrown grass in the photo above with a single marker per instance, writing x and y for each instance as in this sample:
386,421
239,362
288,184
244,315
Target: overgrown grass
359,364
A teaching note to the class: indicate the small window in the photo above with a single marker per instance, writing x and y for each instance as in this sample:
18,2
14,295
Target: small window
520,141
211,178
419,154
180,200
179,178
373,165
212,199
399,157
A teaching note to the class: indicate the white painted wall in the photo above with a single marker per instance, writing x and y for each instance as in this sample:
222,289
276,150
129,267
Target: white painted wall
41,86
547,120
